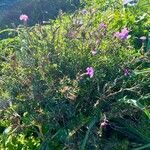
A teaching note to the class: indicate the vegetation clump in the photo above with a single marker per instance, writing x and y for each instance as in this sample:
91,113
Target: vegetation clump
80,82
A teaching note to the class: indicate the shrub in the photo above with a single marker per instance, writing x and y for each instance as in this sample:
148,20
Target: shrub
45,73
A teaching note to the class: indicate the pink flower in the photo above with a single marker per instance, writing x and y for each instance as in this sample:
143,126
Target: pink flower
90,71
117,34
126,72
102,25
122,35
24,17
125,31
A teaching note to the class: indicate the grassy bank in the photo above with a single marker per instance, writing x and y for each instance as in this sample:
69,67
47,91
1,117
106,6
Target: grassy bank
80,82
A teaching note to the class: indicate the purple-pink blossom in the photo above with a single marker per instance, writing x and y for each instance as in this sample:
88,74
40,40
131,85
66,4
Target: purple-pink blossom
102,25
24,17
90,71
123,34
126,72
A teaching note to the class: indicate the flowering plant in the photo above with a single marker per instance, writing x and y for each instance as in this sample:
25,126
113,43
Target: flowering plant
60,79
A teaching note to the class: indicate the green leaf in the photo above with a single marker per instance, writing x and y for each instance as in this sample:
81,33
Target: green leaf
143,147
148,43
142,71
83,146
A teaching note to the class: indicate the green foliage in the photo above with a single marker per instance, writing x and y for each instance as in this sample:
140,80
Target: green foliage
55,104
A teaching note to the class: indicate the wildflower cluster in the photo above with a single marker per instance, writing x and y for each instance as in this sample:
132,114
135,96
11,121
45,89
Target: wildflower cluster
63,77
123,35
